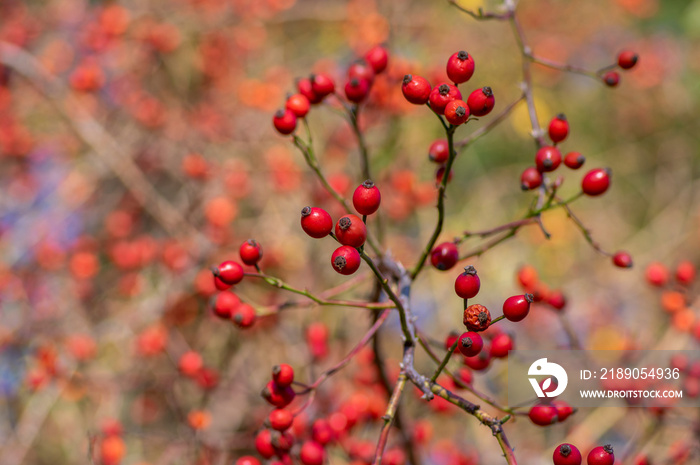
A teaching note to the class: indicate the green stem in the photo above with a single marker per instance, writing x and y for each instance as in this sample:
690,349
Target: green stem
446,359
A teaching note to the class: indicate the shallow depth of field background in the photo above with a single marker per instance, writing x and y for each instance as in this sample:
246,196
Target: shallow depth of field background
85,272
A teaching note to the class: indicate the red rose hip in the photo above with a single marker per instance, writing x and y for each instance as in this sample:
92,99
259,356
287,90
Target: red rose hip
285,121
517,307
250,252
470,344
439,151
596,182
567,454
627,59
378,58
444,256
460,67
441,95
481,101
345,260
351,230
467,284
543,414
366,198
574,160
530,179
456,112
416,89
316,222
601,455
547,159
558,128
622,260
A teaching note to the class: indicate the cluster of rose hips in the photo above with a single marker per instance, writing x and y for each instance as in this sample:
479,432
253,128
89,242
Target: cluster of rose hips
350,230
227,305
677,295
568,454
626,60
550,412
314,89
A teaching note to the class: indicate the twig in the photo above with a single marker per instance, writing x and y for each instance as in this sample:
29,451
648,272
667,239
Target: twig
485,129
389,417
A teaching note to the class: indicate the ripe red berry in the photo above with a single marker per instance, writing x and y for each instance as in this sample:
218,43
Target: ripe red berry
263,444
547,159
481,101
470,344
476,317
285,121
517,307
451,338
250,252
298,104
220,285
229,272
283,374
530,179
378,58
460,67
440,172
601,455
278,396
480,362
556,300
225,304
356,90
351,230
558,128
304,87
564,410
456,112
366,198
567,454
627,59
656,274
322,84
441,95
244,315
444,256
596,181
416,89
574,160
622,260
316,222
280,419
464,375
312,453
467,284
345,260
543,414
321,431
247,460
361,70
500,345
685,272
439,151
190,363
611,78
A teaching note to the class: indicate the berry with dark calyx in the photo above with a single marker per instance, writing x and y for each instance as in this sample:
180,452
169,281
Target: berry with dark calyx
416,89
351,230
441,95
601,455
229,272
596,181
283,441
444,256
567,454
517,307
467,284
556,300
530,179
312,453
543,414
247,460
346,260
547,159
378,58
558,128
481,101
280,419
361,70
622,259
278,396
500,345
244,315
611,78
456,112
656,274
564,410
298,104
574,160
366,198
460,67
250,252
476,317
356,90
304,87
283,375
285,121
439,151
316,222
627,59
470,344
685,272
322,84
225,304
263,444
